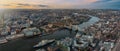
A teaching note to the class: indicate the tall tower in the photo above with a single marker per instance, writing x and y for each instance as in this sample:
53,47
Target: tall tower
1,21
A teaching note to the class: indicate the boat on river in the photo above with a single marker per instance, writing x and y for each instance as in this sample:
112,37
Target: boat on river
43,43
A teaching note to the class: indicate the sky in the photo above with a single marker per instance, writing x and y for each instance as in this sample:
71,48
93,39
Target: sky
59,4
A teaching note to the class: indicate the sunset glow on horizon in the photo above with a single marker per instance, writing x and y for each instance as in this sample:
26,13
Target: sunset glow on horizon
39,4
43,3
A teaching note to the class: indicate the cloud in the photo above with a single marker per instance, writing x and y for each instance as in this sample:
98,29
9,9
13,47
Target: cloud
105,4
37,5
102,1
21,4
112,5
41,5
5,5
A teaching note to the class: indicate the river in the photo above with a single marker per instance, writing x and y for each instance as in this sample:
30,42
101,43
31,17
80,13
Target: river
26,44
91,21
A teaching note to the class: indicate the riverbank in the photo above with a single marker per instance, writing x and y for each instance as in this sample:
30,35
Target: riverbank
26,44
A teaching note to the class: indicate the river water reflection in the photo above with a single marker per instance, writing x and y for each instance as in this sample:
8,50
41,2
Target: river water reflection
91,21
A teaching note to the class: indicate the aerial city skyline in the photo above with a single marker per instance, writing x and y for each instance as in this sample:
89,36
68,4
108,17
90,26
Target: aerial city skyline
59,4
59,25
